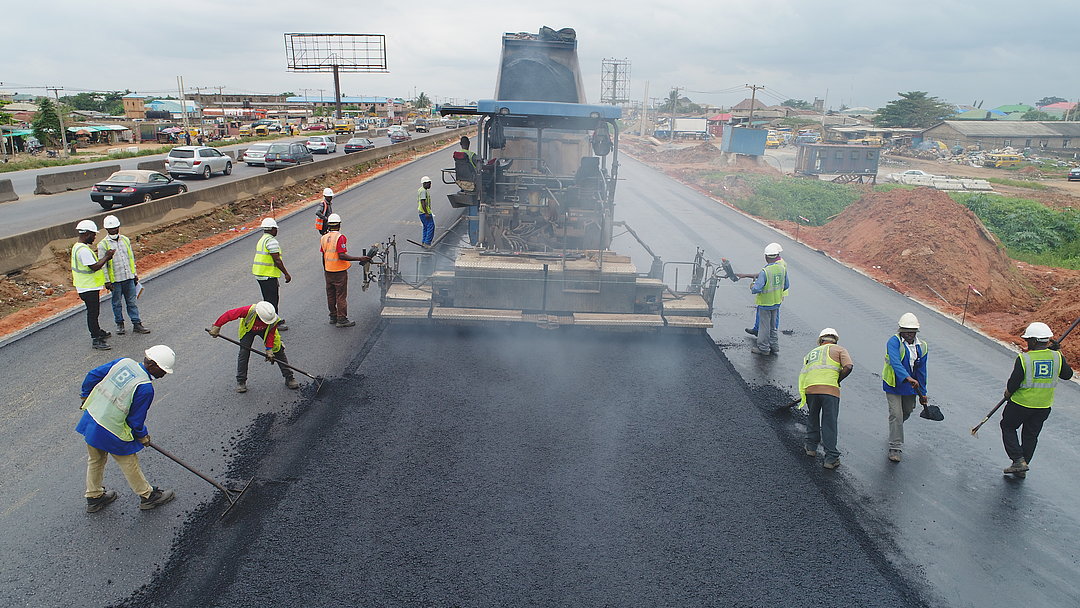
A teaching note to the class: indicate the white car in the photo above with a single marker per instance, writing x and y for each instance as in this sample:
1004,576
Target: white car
254,154
197,160
321,143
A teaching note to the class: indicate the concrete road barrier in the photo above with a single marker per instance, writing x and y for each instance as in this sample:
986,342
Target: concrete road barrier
51,183
153,165
7,191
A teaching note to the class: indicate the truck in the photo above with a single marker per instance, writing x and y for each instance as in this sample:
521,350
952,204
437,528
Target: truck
692,128
534,243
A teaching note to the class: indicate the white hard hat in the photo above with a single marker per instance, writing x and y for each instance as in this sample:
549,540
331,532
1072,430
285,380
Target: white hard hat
269,223
266,312
111,221
773,249
86,226
909,321
1039,331
327,192
425,180
163,356
333,218
828,331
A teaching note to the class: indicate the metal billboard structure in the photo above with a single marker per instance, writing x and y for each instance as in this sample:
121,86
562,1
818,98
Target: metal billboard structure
615,82
336,53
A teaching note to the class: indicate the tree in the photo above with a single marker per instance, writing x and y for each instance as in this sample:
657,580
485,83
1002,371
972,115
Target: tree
680,104
1038,115
287,94
46,123
6,119
422,101
798,104
913,109
1045,101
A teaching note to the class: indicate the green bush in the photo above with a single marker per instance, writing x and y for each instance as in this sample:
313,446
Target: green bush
1030,230
1017,183
787,199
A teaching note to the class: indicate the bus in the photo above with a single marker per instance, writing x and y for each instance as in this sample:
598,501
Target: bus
1002,160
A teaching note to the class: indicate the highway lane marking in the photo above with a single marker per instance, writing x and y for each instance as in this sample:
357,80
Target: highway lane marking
19,503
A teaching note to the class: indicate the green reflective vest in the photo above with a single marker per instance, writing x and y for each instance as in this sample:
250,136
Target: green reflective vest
125,242
249,321
108,403
772,293
1041,369
887,373
819,368
264,266
81,275
423,200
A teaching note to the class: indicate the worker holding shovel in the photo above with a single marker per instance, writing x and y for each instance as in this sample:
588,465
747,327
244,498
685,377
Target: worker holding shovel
903,378
819,386
259,319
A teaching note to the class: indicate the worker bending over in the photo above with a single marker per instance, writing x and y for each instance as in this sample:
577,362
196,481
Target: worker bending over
824,368
902,378
259,319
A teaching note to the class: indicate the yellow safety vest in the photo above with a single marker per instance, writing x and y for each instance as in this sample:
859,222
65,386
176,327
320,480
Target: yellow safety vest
1041,369
110,400
819,368
249,321
110,272
263,266
81,275
887,373
772,293
423,195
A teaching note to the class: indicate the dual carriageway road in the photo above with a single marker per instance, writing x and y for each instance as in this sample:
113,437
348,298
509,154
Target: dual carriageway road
474,468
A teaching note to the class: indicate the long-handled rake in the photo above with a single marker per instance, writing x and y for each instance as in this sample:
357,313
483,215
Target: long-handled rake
318,379
232,495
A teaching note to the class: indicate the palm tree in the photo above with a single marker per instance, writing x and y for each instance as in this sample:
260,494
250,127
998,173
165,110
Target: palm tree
422,101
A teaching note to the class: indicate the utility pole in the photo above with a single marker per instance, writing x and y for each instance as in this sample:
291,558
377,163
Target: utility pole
753,101
674,104
183,101
644,110
60,117
320,96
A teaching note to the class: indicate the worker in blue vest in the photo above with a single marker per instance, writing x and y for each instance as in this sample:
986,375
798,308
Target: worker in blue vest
423,207
824,368
116,397
770,286
1030,391
902,378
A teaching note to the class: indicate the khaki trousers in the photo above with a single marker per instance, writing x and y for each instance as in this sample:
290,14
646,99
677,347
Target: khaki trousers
129,465
900,408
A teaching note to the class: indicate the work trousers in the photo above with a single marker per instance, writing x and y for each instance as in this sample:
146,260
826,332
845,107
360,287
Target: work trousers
900,408
337,293
428,221
93,309
1031,419
129,466
822,411
245,354
768,337
123,294
269,288
757,318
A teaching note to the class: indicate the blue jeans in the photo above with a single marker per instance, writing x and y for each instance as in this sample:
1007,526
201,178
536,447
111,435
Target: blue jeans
822,411
429,228
126,290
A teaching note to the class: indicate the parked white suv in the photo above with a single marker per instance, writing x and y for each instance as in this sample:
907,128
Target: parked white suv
197,160
321,143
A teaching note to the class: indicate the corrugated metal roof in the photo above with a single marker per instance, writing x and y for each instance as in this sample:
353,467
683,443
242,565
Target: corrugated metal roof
999,128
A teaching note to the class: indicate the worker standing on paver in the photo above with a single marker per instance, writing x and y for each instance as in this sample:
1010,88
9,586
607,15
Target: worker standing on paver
116,397
336,260
1030,391
902,378
824,368
88,277
769,288
326,207
121,277
423,206
259,319
465,166
268,266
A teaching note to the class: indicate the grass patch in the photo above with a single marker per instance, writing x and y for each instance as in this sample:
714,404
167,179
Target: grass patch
1031,231
1017,183
786,199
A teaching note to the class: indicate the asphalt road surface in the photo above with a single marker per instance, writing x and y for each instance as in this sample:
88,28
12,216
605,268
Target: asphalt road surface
479,468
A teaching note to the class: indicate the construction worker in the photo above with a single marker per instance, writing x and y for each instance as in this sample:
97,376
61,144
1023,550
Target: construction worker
336,260
268,266
326,207
259,319
824,368
88,277
115,400
770,286
902,378
121,277
1030,391
423,206
465,166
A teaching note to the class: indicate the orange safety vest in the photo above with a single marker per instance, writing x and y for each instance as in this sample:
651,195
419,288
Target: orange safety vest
331,261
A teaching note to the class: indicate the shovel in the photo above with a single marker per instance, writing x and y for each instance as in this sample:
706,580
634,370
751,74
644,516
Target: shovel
232,495
930,412
318,379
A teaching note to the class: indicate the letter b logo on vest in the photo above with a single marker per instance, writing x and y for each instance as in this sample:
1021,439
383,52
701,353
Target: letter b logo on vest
1044,370
122,377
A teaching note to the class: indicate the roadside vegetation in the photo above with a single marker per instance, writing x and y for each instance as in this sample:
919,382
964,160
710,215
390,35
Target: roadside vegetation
1017,183
787,199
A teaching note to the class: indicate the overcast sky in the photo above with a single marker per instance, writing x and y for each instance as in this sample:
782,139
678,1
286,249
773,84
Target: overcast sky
858,53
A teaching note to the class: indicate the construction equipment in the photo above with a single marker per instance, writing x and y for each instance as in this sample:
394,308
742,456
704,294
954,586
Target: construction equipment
540,216
231,494
318,379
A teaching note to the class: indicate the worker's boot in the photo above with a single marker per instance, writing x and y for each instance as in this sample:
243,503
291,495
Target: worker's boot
120,329
344,322
139,329
333,320
1018,466
104,334
758,351
894,455
292,383
241,386
157,498
282,326
831,464
93,505
751,331
100,344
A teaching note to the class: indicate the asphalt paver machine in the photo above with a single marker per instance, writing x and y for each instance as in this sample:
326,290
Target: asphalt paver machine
539,200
